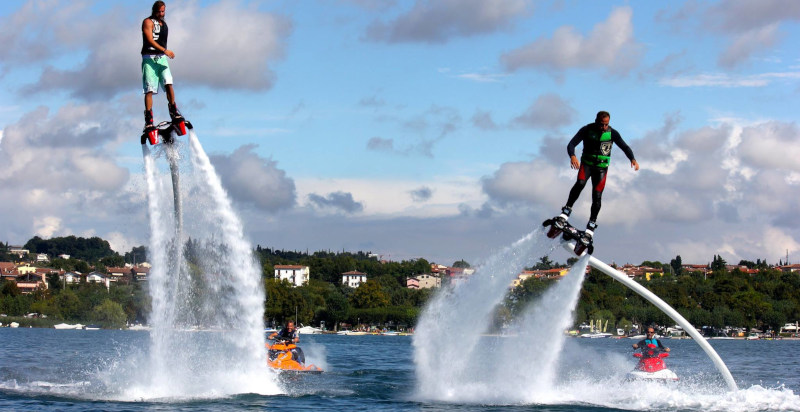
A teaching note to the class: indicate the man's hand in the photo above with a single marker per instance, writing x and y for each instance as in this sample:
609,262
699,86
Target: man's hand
574,163
635,165
171,55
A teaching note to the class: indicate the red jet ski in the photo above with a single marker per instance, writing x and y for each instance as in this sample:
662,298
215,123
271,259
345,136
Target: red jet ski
651,366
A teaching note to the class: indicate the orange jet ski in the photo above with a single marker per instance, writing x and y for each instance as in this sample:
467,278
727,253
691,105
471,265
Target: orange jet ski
285,356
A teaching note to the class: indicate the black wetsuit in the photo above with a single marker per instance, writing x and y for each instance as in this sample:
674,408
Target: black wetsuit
594,161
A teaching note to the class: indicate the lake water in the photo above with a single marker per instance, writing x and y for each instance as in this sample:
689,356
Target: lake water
74,370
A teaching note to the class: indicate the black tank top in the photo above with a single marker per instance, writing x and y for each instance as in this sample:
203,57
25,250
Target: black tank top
160,32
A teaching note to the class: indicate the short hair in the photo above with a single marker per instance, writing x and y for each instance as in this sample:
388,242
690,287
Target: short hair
156,7
602,114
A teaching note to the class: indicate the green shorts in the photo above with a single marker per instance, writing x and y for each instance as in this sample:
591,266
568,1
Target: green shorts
155,73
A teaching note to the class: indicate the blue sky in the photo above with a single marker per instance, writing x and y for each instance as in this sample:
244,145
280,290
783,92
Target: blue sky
431,129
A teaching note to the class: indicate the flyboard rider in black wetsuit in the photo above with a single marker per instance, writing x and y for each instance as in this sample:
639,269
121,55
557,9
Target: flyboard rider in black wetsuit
597,139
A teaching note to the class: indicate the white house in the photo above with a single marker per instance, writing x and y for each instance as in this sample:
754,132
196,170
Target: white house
42,257
296,275
354,278
71,277
97,277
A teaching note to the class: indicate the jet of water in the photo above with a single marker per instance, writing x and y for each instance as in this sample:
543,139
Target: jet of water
455,363
207,335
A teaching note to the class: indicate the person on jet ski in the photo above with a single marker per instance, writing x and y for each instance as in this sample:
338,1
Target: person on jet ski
289,333
650,340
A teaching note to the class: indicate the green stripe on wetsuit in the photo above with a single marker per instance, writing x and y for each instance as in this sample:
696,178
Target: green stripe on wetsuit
602,153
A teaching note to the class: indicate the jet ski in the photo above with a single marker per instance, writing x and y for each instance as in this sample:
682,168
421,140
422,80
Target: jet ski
651,366
285,356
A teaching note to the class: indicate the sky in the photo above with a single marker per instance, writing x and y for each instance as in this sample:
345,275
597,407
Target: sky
416,129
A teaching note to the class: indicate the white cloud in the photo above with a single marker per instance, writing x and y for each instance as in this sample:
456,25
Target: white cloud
728,80
441,20
251,179
746,44
46,226
482,77
771,145
388,199
610,45
549,111
751,27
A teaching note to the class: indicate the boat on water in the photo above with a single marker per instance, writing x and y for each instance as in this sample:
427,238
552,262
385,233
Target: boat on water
92,327
286,357
351,332
68,326
596,335
309,330
753,336
138,326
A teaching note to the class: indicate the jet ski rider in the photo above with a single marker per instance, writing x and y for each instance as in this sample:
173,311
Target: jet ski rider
650,340
289,333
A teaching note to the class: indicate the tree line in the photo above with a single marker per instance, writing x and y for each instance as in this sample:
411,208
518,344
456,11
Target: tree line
765,300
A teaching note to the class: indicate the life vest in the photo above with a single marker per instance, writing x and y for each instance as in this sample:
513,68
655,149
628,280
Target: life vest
597,148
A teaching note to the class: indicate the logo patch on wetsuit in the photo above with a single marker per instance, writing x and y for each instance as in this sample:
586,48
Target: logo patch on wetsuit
605,148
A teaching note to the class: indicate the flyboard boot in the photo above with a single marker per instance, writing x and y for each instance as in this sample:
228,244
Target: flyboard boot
179,123
150,132
558,224
584,240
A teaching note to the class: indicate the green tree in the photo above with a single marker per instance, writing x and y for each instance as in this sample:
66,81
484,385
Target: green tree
369,295
109,314
677,265
461,264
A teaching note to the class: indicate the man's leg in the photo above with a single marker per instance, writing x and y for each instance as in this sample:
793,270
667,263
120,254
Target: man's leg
575,192
598,185
149,86
170,94
148,101
148,110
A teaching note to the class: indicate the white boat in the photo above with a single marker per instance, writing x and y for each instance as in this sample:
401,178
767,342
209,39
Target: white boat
91,327
350,332
308,330
596,335
138,326
68,326
390,333
13,324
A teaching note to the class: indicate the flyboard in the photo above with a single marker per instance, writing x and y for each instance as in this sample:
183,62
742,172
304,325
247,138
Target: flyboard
572,243
162,133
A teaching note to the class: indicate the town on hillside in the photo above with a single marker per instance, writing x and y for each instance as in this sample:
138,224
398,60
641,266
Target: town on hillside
362,289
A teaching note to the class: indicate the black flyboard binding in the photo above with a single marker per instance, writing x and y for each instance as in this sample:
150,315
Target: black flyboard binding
559,225
164,129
